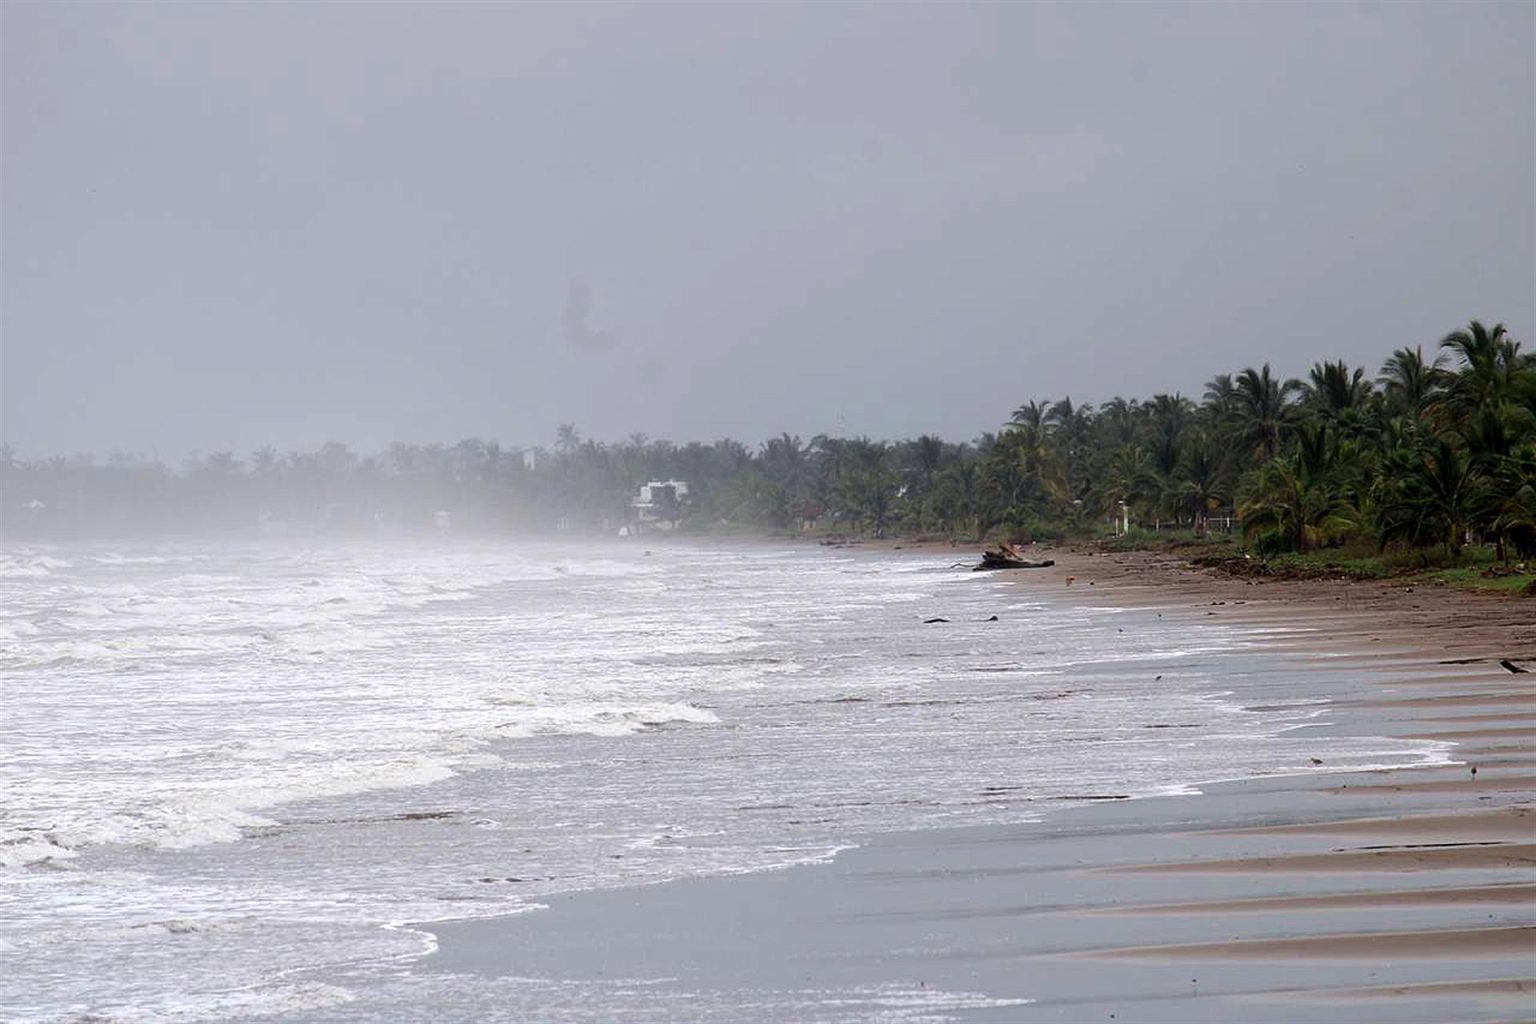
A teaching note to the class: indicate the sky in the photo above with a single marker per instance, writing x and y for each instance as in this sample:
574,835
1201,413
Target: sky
224,226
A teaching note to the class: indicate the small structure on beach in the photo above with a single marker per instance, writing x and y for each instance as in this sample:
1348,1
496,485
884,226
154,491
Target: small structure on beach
660,503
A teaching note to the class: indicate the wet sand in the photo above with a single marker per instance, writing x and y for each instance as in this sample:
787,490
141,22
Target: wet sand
1400,895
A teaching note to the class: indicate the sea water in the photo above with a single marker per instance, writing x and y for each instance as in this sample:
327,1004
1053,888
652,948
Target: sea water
231,772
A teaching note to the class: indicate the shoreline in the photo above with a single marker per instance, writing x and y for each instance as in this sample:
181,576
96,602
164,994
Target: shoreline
1270,857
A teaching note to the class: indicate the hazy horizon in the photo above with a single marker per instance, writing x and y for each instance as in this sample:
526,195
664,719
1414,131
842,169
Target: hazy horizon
230,226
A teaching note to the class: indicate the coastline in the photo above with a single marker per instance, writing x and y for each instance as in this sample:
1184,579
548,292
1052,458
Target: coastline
1297,897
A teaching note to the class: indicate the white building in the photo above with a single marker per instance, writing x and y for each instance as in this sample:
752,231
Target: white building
659,502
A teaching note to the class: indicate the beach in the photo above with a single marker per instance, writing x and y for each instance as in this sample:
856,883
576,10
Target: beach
1401,894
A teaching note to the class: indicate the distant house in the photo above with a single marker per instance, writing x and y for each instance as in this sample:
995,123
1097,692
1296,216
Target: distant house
660,503
443,520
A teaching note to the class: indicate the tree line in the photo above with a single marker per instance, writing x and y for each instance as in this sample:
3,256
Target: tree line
1432,451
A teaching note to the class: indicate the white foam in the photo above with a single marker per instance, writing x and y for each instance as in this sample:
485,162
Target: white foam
268,1000
755,713
19,849
112,558
16,629
601,719
23,565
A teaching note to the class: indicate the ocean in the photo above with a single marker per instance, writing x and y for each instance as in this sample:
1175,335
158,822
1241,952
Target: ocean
235,776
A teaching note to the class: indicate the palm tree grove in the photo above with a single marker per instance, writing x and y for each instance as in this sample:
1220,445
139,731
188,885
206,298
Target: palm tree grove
1429,458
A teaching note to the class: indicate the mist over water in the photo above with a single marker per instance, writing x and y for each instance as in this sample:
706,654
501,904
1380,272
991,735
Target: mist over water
231,769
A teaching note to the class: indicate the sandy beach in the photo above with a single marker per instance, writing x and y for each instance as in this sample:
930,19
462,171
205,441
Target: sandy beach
1398,895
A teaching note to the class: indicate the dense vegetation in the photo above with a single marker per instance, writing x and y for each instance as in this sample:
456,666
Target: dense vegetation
1435,451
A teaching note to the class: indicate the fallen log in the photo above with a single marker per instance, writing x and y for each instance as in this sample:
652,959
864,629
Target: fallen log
1007,556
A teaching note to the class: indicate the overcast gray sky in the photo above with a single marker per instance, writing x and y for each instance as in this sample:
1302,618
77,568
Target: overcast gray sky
225,226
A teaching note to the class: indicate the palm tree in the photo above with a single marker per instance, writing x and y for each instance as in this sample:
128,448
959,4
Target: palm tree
1038,478
1333,390
1411,384
927,456
784,467
1065,417
960,487
1491,368
264,460
1264,410
1513,503
729,456
1119,421
1168,417
1434,498
784,460
866,486
1030,416
1071,428
1296,501
1008,479
1203,483
1130,478
1219,404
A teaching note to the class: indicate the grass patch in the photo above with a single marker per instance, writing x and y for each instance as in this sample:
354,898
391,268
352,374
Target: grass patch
1477,569
1472,578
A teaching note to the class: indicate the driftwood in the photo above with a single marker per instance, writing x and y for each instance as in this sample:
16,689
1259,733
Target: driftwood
1007,556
